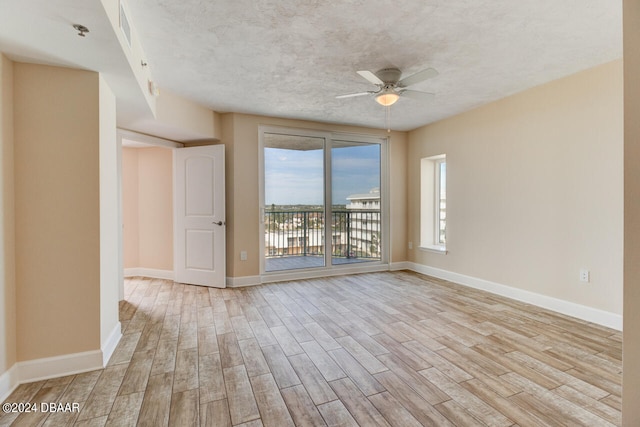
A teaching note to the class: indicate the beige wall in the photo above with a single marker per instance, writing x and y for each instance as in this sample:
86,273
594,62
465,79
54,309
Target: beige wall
155,207
56,134
240,136
228,137
631,337
199,121
130,215
534,189
147,183
8,347
398,185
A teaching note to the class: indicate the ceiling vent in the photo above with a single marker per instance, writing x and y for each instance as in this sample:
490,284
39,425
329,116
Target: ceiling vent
124,24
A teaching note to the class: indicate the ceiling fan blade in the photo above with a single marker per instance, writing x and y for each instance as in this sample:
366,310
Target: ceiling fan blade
418,77
417,95
351,95
371,77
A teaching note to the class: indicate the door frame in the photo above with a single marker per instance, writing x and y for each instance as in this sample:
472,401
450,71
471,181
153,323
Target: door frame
128,138
131,139
329,268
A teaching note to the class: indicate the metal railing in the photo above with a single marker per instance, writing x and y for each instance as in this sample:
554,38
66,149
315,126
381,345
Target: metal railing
354,233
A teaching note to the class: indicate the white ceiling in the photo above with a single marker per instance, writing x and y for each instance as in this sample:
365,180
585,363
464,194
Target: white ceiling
290,59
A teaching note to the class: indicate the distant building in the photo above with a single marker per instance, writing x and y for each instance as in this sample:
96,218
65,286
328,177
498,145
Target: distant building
364,220
370,200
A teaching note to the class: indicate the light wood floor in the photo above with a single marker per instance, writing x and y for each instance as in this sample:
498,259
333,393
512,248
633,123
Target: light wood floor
395,349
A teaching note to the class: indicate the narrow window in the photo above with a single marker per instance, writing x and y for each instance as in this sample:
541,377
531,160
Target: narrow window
441,201
433,203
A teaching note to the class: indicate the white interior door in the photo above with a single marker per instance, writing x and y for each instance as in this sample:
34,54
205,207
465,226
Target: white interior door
200,216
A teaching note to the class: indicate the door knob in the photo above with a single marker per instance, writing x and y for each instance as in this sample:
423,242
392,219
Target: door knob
218,223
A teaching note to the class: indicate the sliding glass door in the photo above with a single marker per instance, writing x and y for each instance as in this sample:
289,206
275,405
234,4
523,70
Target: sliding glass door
355,193
294,201
322,200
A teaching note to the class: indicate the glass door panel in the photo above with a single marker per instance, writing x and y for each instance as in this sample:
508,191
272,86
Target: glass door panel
356,222
294,211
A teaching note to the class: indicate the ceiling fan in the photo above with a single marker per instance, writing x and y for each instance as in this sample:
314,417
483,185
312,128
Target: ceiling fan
391,87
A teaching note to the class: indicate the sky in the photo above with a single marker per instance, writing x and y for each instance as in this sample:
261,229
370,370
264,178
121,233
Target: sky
294,177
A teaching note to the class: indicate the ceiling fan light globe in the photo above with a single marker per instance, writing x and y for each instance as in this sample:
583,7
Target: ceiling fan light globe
387,99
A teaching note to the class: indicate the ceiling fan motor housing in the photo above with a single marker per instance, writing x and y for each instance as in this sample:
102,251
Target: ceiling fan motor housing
389,75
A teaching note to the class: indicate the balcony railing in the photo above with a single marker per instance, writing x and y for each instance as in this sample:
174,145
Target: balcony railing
354,233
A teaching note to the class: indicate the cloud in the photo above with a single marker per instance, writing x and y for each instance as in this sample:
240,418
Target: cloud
297,176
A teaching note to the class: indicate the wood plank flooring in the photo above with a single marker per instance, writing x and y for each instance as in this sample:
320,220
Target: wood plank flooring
387,349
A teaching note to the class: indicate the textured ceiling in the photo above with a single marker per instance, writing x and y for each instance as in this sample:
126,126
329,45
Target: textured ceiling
290,59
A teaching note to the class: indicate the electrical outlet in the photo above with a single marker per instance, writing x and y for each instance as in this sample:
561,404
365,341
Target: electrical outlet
243,255
410,245
585,276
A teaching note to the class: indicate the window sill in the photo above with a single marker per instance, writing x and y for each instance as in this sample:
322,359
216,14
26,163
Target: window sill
442,250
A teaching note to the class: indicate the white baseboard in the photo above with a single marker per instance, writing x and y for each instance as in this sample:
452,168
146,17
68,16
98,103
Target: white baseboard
110,344
131,272
59,366
239,282
8,382
149,272
403,265
594,315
